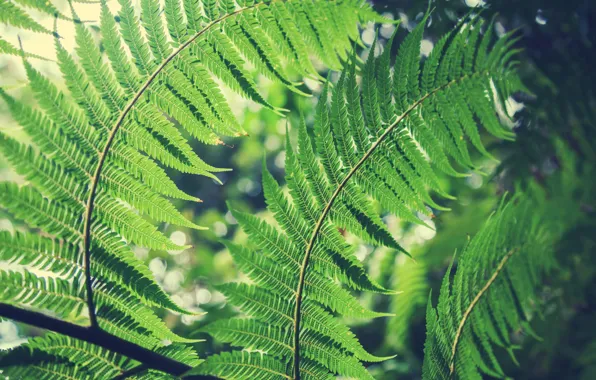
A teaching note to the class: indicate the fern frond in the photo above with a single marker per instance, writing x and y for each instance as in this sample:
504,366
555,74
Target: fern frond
95,169
53,294
12,14
494,289
7,48
243,365
131,109
40,366
410,278
381,142
89,361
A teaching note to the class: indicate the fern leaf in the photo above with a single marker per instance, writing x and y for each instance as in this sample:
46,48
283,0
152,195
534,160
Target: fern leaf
42,6
7,48
85,357
409,277
99,148
13,15
362,148
242,365
492,291
53,294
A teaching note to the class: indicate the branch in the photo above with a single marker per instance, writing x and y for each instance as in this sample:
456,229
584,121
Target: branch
148,358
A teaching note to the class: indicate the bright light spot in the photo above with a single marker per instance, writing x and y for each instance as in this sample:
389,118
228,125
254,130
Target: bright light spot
246,185
387,30
203,295
158,267
8,331
426,233
178,238
426,47
513,107
272,142
368,35
190,319
6,225
474,181
474,3
281,126
362,252
220,229
182,259
141,253
388,15
172,280
230,218
404,20
312,84
187,299
499,29
540,19
280,160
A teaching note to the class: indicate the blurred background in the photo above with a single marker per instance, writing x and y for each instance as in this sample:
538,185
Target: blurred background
558,66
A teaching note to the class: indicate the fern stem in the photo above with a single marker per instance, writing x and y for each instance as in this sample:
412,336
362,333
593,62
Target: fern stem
104,153
131,372
474,302
150,359
327,209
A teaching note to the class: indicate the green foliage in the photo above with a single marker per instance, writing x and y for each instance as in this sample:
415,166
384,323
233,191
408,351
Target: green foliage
96,178
494,291
409,278
61,354
366,147
94,181
12,14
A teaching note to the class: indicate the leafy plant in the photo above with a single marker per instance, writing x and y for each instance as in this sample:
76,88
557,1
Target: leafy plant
365,148
95,184
388,135
494,291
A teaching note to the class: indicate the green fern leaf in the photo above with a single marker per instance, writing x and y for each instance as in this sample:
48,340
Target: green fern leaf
95,166
491,293
381,142
12,14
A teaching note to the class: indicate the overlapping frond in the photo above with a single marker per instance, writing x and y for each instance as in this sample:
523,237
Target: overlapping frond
494,291
11,13
410,278
55,356
95,172
380,142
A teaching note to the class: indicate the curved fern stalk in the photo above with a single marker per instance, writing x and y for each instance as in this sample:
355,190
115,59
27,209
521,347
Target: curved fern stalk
383,140
101,148
495,289
7,48
492,292
159,49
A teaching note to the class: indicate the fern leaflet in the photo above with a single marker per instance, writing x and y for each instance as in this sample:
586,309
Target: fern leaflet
371,142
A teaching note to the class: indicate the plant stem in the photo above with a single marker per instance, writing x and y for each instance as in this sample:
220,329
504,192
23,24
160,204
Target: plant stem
327,209
474,302
148,358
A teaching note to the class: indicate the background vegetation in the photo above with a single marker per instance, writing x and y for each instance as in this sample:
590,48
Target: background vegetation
558,61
